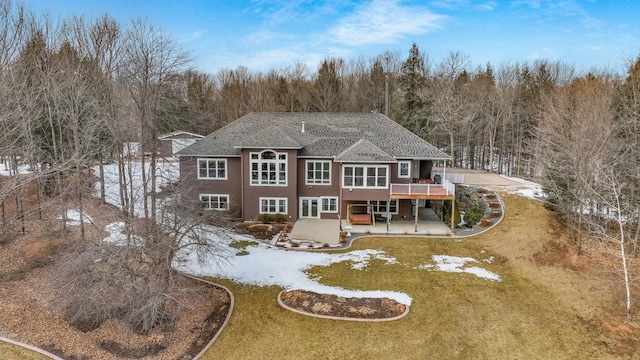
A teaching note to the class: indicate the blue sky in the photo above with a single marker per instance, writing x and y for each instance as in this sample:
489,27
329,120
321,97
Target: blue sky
266,34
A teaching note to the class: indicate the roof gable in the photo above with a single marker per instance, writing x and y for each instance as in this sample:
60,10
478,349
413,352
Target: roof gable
270,137
364,151
180,135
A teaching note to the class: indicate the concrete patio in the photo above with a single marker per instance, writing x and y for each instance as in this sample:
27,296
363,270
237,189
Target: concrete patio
328,231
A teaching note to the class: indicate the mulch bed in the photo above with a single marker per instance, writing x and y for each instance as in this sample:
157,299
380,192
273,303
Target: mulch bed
30,309
340,307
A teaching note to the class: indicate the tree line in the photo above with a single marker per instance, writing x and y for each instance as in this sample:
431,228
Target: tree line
72,94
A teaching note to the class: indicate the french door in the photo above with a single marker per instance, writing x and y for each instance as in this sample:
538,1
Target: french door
309,207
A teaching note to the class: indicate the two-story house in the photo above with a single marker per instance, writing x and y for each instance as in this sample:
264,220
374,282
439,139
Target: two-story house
313,165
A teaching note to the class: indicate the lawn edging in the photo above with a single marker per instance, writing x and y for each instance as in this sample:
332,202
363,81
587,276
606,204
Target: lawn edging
287,307
226,320
30,347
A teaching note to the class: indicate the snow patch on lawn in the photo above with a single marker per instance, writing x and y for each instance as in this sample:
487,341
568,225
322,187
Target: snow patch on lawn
361,259
457,264
530,189
268,266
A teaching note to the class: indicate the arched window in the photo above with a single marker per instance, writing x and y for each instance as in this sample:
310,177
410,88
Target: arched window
268,168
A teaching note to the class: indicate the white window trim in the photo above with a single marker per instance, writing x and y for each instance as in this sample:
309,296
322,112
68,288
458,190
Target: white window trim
322,198
226,169
384,211
315,182
260,161
365,167
219,196
278,200
400,176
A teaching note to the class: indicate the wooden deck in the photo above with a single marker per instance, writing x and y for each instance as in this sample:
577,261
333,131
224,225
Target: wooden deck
445,191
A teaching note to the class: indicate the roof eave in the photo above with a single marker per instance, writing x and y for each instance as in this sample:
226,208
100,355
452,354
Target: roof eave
367,161
206,155
269,147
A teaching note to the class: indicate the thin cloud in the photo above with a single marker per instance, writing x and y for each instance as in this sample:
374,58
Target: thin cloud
192,36
542,53
454,5
488,6
384,22
278,12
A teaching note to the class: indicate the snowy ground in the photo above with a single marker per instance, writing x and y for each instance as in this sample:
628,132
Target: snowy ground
264,265
528,189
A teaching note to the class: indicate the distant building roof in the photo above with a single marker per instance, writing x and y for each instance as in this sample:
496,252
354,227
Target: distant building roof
354,137
178,134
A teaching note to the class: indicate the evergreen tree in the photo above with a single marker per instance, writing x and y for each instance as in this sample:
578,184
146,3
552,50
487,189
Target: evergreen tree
414,111
325,93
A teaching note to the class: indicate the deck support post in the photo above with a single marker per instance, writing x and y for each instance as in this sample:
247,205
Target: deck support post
416,221
388,214
453,218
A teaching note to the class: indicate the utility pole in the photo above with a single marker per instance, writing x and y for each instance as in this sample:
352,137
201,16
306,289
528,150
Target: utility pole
386,95
386,86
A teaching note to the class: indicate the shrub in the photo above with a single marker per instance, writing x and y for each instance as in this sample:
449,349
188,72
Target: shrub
265,218
279,218
456,213
473,215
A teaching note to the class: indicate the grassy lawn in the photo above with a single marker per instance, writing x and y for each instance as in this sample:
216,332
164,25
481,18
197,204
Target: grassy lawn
535,312
13,352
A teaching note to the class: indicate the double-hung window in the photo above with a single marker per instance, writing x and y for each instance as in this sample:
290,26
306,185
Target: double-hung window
215,201
212,169
268,168
329,204
318,172
365,176
273,205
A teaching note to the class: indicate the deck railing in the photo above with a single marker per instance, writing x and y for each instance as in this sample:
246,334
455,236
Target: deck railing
447,188
456,178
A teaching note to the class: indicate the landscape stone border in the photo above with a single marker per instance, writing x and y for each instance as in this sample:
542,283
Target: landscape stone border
481,230
30,347
287,307
226,320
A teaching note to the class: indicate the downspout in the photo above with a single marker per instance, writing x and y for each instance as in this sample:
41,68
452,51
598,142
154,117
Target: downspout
242,181
453,202
444,169
417,211
340,198
453,218
388,214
